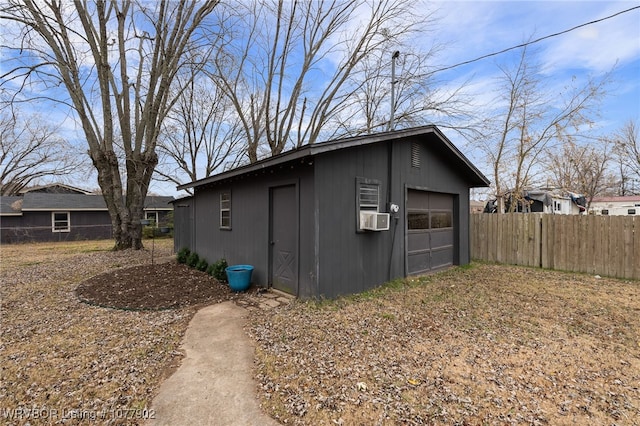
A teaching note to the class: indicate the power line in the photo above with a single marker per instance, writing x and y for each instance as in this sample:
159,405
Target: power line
534,41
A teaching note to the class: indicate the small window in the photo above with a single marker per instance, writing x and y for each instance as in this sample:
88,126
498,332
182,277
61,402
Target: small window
441,219
418,220
60,222
368,196
605,212
153,217
225,210
631,211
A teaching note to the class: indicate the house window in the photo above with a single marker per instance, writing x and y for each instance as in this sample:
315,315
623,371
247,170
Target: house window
631,211
605,212
225,210
153,217
60,222
415,155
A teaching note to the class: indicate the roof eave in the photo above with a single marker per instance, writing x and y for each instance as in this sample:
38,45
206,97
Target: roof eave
477,178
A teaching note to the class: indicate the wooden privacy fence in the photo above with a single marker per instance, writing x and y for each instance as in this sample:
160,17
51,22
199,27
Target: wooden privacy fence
604,245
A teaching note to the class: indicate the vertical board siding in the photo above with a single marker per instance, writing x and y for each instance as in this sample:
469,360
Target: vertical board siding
605,245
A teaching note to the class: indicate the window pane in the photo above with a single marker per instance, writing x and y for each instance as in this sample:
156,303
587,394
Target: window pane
60,221
225,209
441,220
225,219
418,220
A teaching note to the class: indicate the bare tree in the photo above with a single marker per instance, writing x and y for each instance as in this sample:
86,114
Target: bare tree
200,135
117,60
532,119
581,168
31,150
627,151
287,66
418,98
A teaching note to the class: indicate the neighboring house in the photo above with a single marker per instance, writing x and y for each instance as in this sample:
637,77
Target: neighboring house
53,216
337,217
545,200
476,206
616,206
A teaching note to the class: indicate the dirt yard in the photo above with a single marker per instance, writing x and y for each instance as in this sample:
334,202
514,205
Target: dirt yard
479,345
75,363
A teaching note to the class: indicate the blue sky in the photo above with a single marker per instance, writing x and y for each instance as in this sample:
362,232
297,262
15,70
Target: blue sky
475,28
470,29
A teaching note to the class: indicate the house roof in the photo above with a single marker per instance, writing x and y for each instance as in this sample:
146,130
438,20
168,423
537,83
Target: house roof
56,188
624,199
43,201
11,206
39,201
476,178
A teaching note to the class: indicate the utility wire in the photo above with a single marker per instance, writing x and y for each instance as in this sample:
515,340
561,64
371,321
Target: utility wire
534,41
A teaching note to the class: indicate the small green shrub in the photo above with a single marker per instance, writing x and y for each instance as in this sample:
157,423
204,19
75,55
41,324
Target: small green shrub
202,265
217,270
183,254
148,232
193,259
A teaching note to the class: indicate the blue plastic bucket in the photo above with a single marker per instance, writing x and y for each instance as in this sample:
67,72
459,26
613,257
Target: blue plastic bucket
239,277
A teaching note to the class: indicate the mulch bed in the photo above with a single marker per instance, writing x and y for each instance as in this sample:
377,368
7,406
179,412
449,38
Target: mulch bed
153,287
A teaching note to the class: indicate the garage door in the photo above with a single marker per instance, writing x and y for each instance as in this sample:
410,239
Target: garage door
430,242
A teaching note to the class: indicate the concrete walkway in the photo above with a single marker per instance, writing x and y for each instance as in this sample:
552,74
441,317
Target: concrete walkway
214,384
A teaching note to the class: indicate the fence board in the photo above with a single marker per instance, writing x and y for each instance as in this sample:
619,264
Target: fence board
605,245
636,249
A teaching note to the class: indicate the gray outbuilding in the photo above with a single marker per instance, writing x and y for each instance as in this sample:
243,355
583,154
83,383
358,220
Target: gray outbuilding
337,217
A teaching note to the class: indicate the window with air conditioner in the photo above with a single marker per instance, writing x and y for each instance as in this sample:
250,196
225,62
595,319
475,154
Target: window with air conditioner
368,206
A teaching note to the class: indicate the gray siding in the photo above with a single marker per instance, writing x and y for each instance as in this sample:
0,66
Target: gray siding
438,174
183,224
334,256
36,226
350,261
247,242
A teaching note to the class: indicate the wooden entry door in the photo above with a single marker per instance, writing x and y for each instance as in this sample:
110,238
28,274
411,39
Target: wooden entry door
283,239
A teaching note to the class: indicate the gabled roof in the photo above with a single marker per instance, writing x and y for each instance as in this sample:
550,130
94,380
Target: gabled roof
56,188
42,201
475,177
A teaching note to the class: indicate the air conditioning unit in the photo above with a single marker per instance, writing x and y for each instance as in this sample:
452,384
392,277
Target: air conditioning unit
374,221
